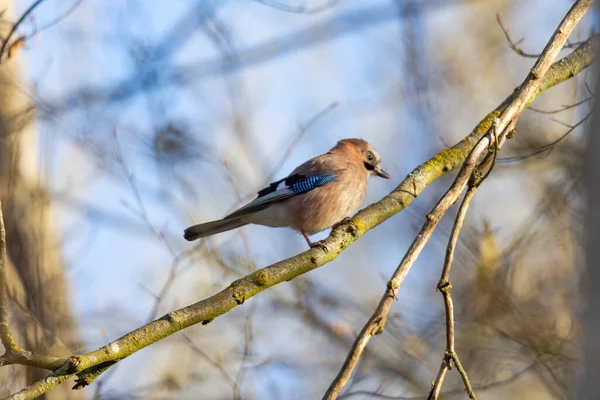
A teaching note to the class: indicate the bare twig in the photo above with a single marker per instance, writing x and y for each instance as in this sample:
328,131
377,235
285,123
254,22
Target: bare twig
301,131
547,147
170,280
210,361
480,388
563,108
248,338
16,25
445,287
514,45
282,6
141,212
501,129
61,17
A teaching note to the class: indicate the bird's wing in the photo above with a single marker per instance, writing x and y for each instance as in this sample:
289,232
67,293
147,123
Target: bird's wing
282,189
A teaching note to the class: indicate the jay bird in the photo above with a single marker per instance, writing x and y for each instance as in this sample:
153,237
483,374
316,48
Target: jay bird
317,195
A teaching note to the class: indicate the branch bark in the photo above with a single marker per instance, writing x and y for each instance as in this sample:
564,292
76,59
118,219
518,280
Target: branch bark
235,294
445,287
497,133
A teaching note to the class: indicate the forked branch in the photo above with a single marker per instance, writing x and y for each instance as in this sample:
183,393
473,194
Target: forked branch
495,134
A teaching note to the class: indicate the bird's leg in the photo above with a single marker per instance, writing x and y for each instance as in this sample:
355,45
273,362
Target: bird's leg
312,245
342,222
306,238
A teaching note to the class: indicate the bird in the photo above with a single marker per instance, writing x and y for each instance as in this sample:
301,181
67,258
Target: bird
317,195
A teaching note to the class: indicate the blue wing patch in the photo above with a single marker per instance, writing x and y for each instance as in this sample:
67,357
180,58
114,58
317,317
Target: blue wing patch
292,185
311,182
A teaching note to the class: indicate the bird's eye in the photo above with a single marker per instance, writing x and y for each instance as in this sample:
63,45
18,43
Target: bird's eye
370,156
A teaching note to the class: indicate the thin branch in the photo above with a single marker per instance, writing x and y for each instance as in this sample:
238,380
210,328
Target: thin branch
210,361
501,128
340,238
480,388
445,287
282,6
60,18
248,337
514,45
16,25
563,108
301,131
547,147
171,279
562,123
141,212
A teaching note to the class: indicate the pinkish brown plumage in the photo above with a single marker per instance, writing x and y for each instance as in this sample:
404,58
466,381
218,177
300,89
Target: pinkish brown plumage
315,196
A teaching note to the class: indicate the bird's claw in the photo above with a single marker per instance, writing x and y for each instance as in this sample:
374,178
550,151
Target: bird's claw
320,245
342,222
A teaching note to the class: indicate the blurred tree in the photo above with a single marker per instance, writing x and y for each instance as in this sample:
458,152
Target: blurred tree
41,315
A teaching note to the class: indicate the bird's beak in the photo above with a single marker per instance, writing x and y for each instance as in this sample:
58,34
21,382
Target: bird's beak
381,173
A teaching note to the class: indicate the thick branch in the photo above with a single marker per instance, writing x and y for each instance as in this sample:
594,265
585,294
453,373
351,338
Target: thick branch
501,128
206,310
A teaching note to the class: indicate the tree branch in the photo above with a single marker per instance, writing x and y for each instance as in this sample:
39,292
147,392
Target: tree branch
235,294
7,340
445,287
16,25
502,127
13,353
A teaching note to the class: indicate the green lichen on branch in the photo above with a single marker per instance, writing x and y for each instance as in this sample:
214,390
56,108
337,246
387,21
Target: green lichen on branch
569,66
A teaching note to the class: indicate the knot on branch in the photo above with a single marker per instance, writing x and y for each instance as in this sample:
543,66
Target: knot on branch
354,226
73,364
444,286
261,277
88,376
449,358
238,293
392,287
239,296
379,326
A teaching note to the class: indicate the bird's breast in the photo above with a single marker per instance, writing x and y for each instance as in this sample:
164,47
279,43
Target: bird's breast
322,207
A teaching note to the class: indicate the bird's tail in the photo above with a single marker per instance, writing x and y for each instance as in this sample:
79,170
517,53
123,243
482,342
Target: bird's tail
210,228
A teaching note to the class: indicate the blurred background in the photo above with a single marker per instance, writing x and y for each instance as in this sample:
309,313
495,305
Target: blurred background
123,122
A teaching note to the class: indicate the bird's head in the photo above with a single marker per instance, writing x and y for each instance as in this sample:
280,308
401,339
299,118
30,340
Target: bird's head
361,151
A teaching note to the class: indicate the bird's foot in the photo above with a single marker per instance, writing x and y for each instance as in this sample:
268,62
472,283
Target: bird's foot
319,245
342,222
